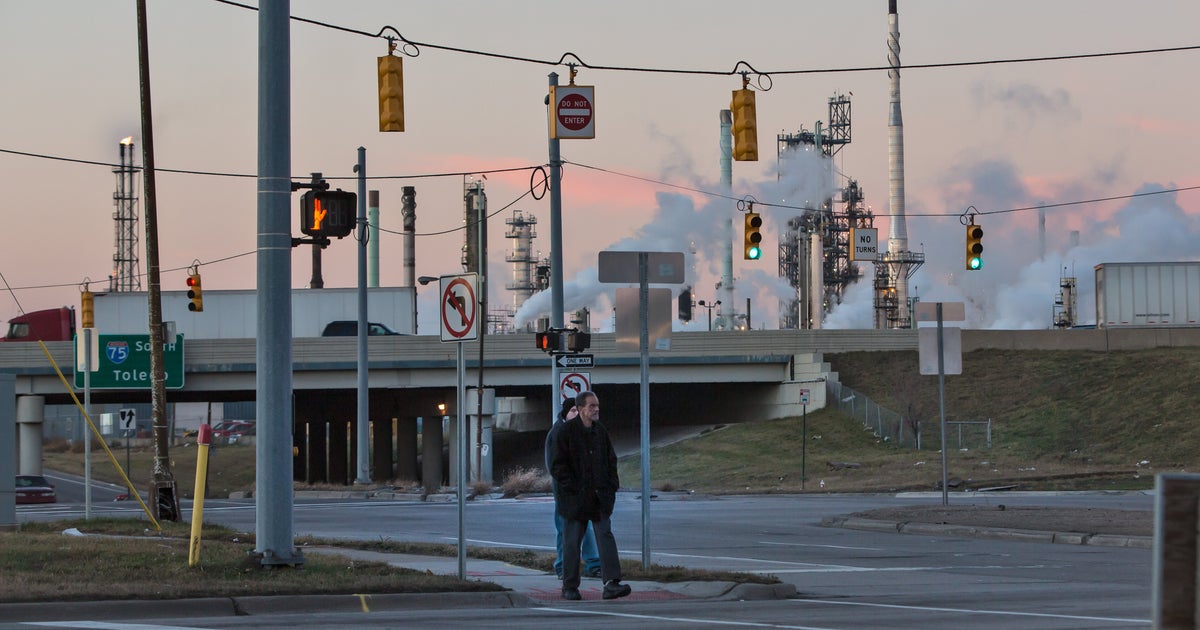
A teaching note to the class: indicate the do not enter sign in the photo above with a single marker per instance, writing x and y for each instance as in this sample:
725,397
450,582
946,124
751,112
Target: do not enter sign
572,112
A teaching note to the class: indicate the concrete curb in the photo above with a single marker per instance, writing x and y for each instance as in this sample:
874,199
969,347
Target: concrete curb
211,607
994,533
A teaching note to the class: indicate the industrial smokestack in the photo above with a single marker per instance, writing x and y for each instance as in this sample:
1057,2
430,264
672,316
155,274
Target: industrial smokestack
408,213
898,231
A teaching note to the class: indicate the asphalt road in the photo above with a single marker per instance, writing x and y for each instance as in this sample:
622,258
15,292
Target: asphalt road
845,578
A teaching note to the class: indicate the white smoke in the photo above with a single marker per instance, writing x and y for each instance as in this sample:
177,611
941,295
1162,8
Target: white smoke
678,224
1017,287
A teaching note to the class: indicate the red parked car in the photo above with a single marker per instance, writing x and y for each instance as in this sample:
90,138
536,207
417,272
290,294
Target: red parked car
35,489
233,428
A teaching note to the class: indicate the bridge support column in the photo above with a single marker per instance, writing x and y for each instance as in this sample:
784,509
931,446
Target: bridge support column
431,454
339,442
406,449
31,413
382,437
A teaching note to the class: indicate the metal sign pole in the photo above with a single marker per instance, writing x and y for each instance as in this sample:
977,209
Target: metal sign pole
87,430
462,462
942,399
644,395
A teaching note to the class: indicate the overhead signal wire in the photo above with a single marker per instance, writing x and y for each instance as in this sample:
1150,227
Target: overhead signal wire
907,214
571,59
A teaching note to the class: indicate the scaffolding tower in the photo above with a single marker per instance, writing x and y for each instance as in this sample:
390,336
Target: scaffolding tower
126,275
1064,312
521,229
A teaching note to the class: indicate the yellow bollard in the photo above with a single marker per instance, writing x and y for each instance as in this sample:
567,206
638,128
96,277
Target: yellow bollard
203,439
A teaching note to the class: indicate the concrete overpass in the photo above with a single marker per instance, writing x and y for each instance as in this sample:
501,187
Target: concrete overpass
704,378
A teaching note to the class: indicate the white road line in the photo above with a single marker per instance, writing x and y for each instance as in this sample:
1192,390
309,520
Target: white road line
784,544
102,625
687,620
973,611
987,567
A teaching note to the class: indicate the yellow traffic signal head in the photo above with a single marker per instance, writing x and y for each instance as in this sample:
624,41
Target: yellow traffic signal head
391,93
195,292
745,126
753,238
974,253
87,309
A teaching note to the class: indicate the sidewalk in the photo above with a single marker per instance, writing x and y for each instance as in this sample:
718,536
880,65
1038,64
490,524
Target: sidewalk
542,588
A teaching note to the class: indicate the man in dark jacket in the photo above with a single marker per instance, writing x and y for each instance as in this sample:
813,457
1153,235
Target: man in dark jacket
584,467
591,558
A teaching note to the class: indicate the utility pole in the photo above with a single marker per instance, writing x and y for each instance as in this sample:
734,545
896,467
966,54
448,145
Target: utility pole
164,501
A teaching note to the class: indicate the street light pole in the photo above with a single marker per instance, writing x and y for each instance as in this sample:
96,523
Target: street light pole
710,307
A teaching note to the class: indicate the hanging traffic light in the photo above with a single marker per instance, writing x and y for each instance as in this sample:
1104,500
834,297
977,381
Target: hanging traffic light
745,125
195,292
753,239
974,259
391,92
685,305
548,341
87,309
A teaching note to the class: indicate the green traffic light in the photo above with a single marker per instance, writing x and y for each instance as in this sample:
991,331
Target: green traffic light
975,263
754,253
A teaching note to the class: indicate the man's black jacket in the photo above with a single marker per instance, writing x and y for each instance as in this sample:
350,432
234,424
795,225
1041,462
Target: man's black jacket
584,467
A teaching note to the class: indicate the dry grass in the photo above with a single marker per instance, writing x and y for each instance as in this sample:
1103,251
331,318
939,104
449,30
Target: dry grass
526,481
39,563
121,559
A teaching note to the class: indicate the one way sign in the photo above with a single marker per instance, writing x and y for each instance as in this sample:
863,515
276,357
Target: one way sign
574,360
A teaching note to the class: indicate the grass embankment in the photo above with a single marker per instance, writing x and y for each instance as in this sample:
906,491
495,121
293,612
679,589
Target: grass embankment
1060,420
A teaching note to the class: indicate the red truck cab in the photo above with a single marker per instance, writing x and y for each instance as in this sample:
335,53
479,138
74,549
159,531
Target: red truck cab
54,324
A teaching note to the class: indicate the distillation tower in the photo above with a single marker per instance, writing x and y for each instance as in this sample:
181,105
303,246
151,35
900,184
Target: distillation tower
814,253
521,229
126,275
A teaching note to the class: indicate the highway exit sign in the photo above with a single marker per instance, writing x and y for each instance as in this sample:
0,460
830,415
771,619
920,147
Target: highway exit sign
124,363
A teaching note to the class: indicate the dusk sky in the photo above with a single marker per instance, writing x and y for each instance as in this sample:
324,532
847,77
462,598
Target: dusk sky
995,136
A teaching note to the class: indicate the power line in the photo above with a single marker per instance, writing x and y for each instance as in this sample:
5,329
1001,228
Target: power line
252,175
766,204
572,59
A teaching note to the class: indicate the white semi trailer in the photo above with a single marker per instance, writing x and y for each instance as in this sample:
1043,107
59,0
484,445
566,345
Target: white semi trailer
232,314
1148,295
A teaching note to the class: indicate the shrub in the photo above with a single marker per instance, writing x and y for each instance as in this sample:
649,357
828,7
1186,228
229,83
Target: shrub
526,481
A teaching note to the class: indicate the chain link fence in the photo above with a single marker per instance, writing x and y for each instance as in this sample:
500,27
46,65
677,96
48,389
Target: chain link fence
893,428
887,425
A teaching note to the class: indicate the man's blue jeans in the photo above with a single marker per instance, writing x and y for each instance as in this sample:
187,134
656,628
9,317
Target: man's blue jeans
589,553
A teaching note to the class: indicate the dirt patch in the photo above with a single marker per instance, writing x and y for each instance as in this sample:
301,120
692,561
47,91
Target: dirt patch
1050,519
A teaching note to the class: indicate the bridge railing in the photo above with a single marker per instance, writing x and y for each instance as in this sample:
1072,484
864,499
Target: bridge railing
885,424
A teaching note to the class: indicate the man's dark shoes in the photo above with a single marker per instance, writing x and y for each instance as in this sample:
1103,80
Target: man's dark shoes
573,594
613,589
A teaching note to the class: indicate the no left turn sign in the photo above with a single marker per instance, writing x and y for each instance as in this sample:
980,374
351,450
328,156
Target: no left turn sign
459,307
575,383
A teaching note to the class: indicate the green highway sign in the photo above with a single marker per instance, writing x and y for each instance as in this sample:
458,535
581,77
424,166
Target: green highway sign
124,362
